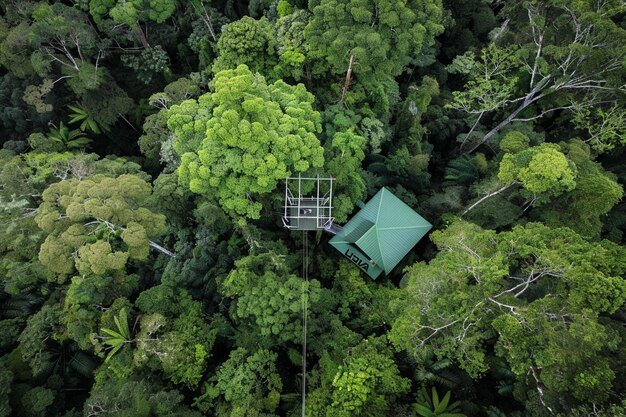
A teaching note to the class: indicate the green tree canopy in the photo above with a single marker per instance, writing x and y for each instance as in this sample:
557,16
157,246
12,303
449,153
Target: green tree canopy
247,384
247,41
547,58
383,36
65,45
243,138
97,224
543,296
268,296
112,396
173,335
597,192
542,169
132,13
366,382
344,157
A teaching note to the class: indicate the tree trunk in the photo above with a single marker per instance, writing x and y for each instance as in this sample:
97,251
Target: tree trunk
207,21
346,84
496,129
530,98
506,187
142,36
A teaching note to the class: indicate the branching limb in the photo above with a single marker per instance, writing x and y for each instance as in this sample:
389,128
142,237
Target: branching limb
116,227
498,191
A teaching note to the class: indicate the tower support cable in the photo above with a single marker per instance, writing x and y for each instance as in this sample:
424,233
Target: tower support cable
305,296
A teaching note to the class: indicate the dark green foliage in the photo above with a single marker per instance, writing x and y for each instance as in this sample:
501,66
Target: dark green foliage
269,296
35,341
15,51
431,406
384,37
107,104
153,277
247,41
463,170
577,277
135,398
17,119
596,192
364,382
36,401
235,388
150,62
6,378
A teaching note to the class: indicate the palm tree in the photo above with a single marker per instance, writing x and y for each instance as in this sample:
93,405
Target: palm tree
71,139
117,339
430,406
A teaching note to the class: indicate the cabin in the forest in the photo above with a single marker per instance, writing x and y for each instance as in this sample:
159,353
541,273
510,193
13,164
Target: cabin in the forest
380,234
375,239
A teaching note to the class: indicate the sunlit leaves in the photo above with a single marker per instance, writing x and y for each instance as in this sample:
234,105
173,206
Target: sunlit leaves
244,137
542,169
96,224
537,287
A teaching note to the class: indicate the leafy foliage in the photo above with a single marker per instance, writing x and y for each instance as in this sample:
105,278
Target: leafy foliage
541,170
247,41
101,216
384,37
245,137
430,406
119,337
68,139
193,117
547,277
246,384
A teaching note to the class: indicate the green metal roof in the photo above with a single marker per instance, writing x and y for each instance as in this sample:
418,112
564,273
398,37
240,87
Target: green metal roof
385,230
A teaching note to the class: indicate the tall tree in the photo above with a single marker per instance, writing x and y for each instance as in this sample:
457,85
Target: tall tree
268,297
548,56
379,38
247,41
542,296
133,13
582,209
344,157
542,171
247,384
240,140
174,335
65,45
96,225
364,382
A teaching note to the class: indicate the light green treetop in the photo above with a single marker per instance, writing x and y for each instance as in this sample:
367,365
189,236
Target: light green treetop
97,224
597,192
244,137
542,169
